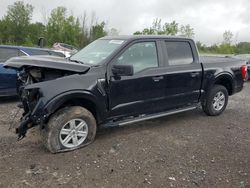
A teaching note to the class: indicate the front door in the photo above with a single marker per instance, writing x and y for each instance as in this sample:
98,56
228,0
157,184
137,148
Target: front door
140,93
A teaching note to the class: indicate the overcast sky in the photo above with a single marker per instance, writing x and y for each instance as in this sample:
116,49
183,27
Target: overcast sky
209,18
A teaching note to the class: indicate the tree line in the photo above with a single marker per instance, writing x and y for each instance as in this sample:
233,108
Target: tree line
171,29
226,47
16,28
175,29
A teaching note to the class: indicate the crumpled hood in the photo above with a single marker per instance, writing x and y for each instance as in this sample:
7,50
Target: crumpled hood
46,62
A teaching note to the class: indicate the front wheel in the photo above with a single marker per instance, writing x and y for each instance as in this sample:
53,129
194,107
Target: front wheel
216,101
68,129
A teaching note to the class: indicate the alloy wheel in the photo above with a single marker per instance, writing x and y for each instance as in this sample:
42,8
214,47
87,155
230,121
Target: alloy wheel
73,133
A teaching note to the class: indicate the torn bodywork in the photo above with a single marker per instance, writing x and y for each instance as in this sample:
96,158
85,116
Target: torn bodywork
30,72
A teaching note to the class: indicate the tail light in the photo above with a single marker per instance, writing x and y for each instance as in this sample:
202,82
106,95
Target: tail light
244,72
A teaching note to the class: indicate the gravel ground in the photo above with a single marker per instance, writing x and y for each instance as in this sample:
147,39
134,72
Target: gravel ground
184,150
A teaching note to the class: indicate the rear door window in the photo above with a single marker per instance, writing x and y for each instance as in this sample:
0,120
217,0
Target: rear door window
179,53
6,53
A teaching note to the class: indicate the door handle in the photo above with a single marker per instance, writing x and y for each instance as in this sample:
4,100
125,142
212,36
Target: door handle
195,74
157,78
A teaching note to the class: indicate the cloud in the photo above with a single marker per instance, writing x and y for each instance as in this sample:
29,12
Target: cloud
208,18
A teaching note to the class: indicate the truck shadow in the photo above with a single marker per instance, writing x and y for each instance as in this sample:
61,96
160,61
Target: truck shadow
11,99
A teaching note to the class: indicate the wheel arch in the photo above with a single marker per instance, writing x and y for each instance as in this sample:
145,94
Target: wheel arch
226,80
77,98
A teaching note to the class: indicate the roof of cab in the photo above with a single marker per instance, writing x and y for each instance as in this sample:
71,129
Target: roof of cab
134,37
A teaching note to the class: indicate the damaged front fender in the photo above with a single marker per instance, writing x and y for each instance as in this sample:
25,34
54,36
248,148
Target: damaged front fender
44,108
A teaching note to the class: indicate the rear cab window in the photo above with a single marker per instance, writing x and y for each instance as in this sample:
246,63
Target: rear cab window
179,53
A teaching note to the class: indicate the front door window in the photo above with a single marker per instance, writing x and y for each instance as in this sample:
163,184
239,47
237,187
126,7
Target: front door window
141,56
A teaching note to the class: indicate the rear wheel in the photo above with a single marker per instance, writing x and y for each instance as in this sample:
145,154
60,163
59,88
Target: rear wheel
216,101
68,129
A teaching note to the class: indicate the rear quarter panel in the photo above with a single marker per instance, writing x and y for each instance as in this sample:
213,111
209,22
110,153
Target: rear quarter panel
216,67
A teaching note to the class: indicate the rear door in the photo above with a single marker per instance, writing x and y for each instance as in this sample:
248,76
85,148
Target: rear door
183,74
142,92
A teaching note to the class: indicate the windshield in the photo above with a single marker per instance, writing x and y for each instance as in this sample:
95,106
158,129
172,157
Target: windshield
97,51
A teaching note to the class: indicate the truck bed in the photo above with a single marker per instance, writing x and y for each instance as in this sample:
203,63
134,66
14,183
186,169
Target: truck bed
217,59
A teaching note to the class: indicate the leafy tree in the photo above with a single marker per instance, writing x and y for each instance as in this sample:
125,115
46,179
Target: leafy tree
97,31
28,41
171,28
16,27
36,30
67,29
227,37
55,27
84,35
16,22
4,31
137,33
156,27
243,48
201,47
71,31
187,31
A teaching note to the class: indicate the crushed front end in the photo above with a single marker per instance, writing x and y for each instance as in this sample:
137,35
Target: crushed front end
32,103
37,79
32,82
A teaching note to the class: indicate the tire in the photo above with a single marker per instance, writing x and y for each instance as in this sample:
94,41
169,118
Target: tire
210,106
68,129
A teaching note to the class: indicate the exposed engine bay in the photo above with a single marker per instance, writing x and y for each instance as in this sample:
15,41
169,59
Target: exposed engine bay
32,75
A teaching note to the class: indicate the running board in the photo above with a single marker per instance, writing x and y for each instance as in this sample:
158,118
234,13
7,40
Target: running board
148,117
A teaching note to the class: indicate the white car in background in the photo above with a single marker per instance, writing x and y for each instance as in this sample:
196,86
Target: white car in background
66,49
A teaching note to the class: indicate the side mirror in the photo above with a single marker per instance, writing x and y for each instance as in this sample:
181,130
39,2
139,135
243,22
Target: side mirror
123,70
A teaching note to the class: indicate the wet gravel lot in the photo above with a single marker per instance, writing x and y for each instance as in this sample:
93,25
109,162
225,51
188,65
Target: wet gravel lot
184,150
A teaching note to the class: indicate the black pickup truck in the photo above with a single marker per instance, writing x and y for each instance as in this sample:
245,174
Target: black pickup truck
117,81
